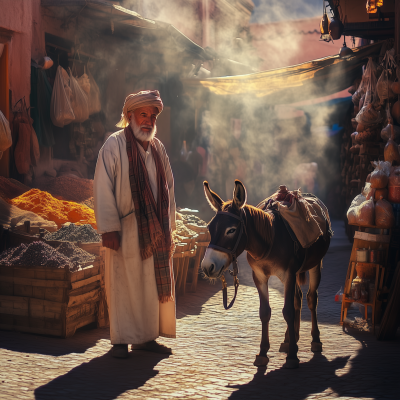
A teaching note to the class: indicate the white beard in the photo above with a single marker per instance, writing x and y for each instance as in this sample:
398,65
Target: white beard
140,134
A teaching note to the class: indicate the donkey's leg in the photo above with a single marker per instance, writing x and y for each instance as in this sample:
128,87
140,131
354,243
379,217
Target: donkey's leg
289,314
312,301
265,316
298,299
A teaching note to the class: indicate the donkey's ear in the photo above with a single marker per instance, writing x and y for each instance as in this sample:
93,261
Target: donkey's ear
213,199
239,195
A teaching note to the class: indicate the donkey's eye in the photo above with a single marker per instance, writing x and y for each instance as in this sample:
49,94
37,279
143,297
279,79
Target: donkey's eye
232,230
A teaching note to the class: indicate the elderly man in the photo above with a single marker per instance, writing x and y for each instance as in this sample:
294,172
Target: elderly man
134,206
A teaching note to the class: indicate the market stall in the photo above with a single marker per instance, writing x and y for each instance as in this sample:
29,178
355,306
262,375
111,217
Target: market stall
371,172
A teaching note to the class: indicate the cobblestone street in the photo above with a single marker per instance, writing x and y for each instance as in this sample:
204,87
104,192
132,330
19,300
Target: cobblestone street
213,354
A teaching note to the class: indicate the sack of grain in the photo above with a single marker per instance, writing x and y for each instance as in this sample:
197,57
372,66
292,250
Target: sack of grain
384,216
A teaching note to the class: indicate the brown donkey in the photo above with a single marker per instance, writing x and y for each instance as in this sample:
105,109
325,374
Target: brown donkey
270,251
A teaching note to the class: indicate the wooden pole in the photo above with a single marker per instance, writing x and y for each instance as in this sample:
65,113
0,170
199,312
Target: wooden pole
397,28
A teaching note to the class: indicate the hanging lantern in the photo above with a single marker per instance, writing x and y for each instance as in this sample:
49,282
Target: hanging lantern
324,28
336,28
373,5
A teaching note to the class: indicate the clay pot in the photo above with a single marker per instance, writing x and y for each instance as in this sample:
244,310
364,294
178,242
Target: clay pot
395,87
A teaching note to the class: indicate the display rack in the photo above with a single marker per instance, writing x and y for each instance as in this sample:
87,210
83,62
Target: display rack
363,239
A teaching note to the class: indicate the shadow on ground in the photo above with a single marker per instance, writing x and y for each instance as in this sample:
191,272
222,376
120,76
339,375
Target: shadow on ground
300,383
102,378
83,339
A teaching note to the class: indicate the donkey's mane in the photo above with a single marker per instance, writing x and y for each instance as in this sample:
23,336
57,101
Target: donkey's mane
262,221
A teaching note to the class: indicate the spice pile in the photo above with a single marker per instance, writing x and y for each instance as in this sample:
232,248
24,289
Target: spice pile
75,253
9,189
75,233
48,207
35,254
69,188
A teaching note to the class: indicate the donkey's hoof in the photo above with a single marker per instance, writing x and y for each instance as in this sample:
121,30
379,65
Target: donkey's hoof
261,361
291,363
316,347
284,348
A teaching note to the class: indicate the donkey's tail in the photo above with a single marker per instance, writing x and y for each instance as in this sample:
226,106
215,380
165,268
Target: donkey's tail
301,278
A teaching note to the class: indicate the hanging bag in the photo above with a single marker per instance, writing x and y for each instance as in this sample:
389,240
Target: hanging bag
94,96
79,100
61,112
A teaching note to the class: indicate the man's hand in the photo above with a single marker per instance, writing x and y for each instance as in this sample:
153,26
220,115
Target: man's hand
111,240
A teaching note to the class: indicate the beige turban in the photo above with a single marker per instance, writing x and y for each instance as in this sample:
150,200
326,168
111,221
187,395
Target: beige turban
145,98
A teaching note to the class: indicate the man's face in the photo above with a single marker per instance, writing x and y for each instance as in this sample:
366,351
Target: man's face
146,117
143,123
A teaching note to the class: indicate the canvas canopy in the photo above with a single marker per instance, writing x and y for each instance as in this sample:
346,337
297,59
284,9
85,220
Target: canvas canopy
311,79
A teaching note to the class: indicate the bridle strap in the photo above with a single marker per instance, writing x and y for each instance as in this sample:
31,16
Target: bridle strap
232,252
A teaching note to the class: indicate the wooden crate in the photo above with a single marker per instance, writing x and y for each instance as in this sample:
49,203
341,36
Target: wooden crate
49,301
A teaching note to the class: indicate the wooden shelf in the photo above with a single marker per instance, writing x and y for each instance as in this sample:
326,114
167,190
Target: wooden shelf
379,274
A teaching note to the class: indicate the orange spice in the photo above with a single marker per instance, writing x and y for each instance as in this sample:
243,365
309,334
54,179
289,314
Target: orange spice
59,211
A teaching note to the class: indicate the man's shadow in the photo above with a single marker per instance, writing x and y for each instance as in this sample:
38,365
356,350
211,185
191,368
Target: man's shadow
103,377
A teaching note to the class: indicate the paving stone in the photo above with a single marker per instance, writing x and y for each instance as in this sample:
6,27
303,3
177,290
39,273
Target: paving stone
213,354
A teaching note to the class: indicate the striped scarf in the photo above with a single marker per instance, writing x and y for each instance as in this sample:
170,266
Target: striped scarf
152,219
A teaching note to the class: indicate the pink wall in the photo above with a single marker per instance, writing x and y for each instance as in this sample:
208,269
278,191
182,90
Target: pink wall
285,43
18,18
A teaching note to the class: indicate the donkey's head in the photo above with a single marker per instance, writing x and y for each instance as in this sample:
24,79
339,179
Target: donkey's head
228,236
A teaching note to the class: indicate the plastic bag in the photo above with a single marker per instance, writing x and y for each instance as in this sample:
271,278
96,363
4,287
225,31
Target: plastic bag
84,83
383,87
384,216
94,96
386,132
368,116
365,213
394,177
79,101
22,152
339,295
351,213
381,194
380,175
61,112
5,133
368,76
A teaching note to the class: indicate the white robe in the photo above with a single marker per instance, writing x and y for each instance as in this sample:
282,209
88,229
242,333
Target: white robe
136,315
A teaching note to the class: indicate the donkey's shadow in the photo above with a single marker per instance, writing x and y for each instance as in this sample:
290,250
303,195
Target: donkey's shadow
366,376
291,384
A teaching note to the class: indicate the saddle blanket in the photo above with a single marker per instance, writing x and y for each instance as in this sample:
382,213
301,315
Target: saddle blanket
305,213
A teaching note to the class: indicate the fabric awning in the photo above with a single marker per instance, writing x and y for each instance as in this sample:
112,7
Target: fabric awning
287,85
107,11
